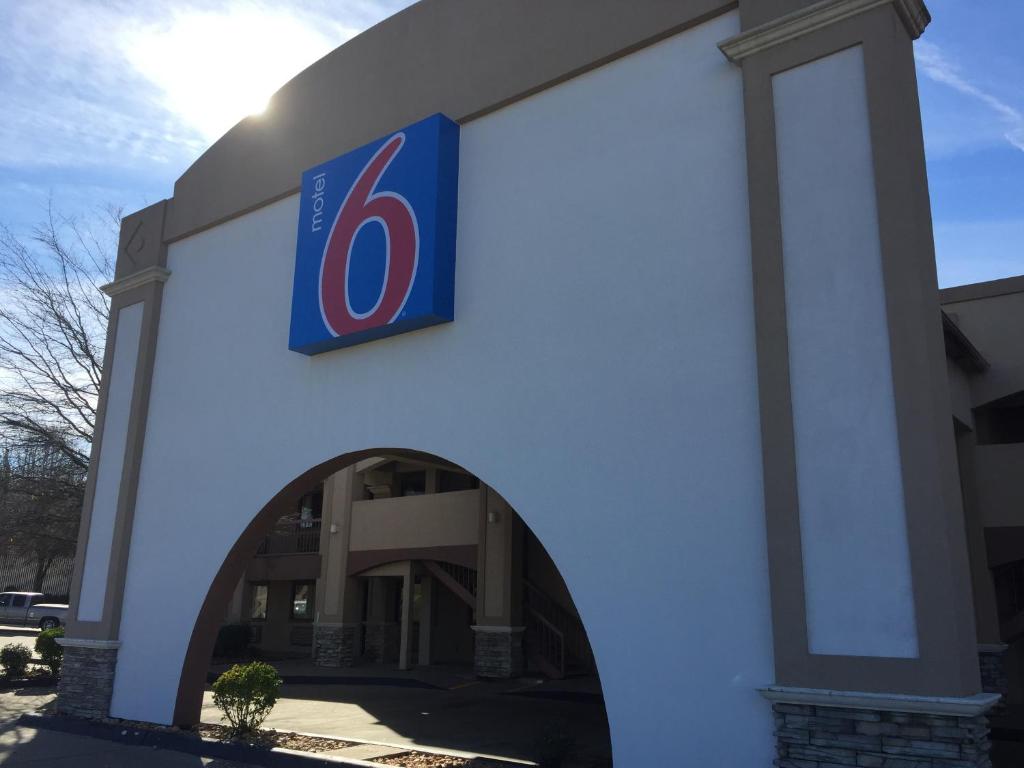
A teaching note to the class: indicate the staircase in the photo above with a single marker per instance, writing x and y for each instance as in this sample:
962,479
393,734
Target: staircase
458,578
556,641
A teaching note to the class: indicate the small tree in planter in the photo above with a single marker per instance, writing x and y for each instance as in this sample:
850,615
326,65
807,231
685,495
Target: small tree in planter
14,658
48,650
245,694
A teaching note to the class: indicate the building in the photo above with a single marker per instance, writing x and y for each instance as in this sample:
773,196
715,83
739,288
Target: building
388,529
986,377
661,277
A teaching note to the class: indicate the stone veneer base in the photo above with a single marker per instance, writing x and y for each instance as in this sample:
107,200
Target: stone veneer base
86,681
335,645
994,679
498,652
818,735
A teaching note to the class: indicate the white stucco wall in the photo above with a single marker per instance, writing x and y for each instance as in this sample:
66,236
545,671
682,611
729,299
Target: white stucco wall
600,374
852,520
108,473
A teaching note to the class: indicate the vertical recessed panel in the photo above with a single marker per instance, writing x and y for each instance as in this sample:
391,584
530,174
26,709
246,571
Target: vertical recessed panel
852,520
108,473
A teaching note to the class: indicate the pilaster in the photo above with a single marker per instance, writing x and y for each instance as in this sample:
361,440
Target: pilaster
108,509
813,179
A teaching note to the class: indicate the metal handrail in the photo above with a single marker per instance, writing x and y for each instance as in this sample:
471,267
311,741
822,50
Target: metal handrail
570,626
549,642
292,537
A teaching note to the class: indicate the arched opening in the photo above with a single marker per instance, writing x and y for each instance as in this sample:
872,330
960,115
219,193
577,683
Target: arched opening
392,564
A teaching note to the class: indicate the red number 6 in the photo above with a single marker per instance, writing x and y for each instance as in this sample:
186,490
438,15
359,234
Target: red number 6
363,206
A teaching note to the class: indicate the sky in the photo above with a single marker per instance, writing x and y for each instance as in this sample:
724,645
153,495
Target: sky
107,103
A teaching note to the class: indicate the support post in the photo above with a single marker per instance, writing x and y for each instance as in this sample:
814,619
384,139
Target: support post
408,595
498,643
426,618
336,634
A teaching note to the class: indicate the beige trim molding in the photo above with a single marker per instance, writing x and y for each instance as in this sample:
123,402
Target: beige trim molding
958,706
137,280
987,290
913,13
78,642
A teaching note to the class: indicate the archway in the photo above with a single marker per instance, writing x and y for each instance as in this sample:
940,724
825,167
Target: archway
478,559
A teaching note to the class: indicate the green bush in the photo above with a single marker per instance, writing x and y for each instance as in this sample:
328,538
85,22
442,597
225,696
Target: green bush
48,650
14,658
245,694
232,640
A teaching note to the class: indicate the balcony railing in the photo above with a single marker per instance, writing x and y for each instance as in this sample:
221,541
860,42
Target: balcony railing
292,537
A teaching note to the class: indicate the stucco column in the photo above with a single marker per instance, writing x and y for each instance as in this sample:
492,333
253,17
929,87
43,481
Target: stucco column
870,583
408,593
108,509
498,646
336,634
426,619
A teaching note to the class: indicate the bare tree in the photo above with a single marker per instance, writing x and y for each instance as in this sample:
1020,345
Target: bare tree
52,331
40,506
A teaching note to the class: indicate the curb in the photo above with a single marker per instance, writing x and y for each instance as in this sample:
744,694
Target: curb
184,742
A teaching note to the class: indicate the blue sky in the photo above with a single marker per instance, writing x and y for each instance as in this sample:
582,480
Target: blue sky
109,102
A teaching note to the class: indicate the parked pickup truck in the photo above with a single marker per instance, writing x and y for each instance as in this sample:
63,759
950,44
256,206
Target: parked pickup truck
27,608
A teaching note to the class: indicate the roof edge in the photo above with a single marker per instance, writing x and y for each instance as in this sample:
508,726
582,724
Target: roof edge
986,290
405,68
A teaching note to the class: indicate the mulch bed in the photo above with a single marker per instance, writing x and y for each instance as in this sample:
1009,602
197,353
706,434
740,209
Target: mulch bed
289,740
422,760
284,739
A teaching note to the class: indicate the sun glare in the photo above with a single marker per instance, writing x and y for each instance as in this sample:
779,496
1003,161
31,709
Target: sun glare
215,68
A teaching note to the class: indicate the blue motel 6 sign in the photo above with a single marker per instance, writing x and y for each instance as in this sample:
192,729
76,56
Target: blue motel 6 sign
376,244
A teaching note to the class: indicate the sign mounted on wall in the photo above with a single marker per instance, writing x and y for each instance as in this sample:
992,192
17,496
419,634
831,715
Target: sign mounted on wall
376,244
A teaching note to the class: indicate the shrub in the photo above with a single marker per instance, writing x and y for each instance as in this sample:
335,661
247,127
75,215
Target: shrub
14,658
48,650
232,640
245,694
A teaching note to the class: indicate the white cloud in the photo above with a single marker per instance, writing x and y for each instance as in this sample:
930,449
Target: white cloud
129,85
934,64
214,67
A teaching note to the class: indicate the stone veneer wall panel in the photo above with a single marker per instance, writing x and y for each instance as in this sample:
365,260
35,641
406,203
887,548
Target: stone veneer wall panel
498,653
832,737
335,646
86,681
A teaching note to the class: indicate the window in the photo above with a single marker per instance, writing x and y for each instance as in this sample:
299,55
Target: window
412,483
302,600
258,606
455,481
19,601
5,600
311,507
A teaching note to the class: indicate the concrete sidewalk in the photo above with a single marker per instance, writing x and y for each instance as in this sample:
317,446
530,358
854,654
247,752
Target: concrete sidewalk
509,719
30,747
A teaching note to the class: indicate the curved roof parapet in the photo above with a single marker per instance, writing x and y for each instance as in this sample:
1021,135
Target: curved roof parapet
459,57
